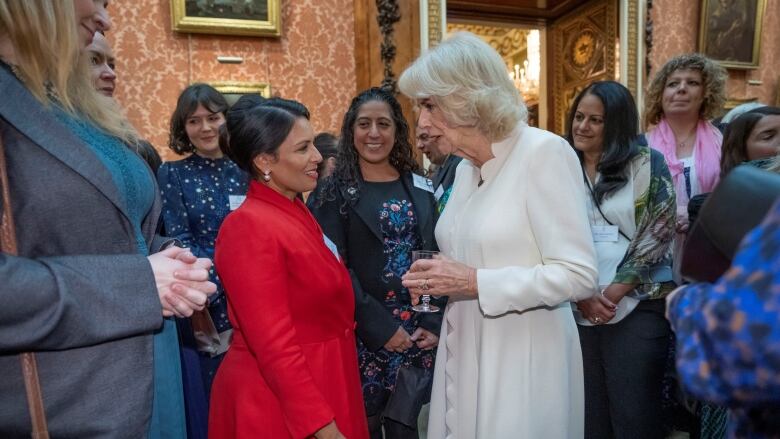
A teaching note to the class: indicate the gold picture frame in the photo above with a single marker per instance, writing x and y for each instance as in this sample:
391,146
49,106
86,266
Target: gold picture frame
730,32
233,90
254,18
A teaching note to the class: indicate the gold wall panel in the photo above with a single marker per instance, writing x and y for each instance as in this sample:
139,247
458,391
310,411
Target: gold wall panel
583,51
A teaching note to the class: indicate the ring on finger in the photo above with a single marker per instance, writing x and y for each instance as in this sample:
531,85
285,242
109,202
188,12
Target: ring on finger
597,320
424,285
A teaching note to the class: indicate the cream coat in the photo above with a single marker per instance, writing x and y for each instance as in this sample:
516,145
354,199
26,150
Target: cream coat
509,364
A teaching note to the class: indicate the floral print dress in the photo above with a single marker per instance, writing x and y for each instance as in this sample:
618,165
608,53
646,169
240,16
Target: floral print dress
400,235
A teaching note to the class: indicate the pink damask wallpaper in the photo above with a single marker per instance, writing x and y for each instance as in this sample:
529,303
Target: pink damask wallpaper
675,31
312,62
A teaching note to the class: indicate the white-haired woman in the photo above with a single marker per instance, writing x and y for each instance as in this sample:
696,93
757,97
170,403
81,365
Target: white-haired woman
517,249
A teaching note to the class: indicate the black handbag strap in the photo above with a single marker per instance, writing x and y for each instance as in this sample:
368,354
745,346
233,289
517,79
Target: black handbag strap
598,205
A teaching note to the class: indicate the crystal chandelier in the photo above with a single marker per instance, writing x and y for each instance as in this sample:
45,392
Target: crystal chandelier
526,77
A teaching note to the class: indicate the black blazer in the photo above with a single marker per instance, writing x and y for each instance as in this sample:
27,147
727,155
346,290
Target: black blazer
357,235
445,175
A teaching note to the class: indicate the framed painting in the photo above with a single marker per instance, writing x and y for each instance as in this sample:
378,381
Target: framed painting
234,90
257,18
730,31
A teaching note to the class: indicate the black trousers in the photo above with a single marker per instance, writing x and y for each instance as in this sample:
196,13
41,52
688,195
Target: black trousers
624,369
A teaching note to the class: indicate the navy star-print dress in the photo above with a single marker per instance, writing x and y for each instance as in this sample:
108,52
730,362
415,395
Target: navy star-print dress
196,195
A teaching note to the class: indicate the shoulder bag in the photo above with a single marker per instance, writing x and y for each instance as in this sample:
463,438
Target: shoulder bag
32,384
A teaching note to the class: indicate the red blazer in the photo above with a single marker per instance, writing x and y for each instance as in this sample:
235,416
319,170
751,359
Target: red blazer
292,365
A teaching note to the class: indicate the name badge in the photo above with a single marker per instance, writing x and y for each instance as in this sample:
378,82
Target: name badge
236,200
604,233
331,246
439,192
423,183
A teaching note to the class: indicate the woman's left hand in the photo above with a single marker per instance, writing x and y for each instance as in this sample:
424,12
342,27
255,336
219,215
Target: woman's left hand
425,339
441,277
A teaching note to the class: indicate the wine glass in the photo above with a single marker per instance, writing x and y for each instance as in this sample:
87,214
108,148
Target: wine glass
425,300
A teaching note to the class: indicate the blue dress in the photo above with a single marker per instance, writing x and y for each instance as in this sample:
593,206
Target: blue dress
136,186
196,193
728,335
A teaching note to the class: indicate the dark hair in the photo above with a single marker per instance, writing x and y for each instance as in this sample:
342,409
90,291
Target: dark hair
327,145
189,99
261,129
249,101
150,155
734,149
347,172
621,125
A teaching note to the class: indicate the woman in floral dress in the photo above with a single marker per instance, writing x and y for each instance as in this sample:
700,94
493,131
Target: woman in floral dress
376,210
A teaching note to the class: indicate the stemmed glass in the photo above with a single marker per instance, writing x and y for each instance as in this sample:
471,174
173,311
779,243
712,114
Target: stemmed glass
425,300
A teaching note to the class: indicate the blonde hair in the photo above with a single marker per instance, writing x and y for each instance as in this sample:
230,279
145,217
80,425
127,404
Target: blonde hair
469,81
713,76
44,34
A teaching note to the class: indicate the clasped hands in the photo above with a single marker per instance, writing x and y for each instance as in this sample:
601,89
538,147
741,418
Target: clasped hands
601,308
182,281
401,340
441,276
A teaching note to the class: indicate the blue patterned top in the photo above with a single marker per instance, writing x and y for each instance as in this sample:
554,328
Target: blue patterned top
136,187
728,334
196,199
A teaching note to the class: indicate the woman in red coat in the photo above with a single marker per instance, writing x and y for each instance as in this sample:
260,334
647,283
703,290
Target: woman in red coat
291,371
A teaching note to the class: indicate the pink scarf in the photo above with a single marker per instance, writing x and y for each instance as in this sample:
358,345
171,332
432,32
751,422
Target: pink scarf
706,152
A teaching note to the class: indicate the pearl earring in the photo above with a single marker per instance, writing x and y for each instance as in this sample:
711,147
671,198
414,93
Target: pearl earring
267,176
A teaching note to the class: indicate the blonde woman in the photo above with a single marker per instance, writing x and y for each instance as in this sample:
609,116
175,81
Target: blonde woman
517,249
84,292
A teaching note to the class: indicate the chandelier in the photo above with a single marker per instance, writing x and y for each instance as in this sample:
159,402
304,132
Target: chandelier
526,76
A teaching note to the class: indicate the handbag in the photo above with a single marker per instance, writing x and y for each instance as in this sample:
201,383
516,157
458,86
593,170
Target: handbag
32,384
737,205
207,339
412,390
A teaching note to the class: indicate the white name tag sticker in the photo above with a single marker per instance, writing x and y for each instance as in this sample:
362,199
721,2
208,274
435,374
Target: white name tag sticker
439,192
236,200
604,233
331,246
423,183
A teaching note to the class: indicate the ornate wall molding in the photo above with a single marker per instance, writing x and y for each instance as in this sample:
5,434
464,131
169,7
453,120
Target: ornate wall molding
436,20
632,26
583,44
388,15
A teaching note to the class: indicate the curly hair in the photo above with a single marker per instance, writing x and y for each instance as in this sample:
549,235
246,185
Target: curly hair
713,75
347,173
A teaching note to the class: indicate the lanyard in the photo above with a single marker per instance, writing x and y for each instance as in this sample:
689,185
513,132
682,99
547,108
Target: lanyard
596,203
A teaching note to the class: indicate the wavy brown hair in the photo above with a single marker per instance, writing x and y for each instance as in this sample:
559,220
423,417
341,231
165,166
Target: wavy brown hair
713,76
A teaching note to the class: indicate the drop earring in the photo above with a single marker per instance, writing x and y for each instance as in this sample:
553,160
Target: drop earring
267,176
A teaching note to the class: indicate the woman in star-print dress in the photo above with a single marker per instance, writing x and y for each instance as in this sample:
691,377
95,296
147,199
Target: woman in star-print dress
197,193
